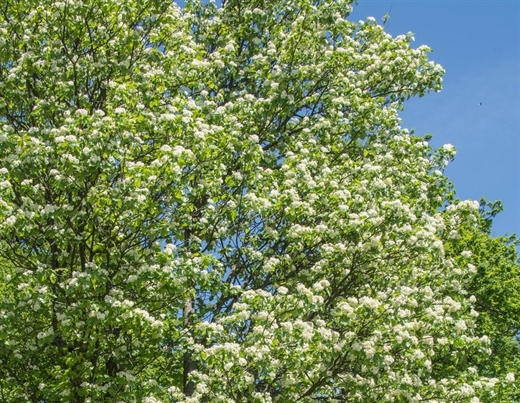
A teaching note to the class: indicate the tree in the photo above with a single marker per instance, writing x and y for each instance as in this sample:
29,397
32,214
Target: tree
496,286
219,204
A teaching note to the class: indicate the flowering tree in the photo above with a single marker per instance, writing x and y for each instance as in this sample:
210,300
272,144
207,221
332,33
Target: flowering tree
219,204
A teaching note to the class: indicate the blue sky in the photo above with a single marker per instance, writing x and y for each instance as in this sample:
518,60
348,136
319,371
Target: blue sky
478,44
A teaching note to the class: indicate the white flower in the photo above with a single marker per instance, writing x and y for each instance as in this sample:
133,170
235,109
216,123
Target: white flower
271,264
346,308
510,377
282,290
178,150
230,47
9,221
442,341
492,382
228,366
168,116
460,325
389,360
370,303
417,354
81,112
287,326
169,248
448,148
466,254
466,390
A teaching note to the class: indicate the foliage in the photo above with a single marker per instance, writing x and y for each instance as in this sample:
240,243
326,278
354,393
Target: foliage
219,204
496,286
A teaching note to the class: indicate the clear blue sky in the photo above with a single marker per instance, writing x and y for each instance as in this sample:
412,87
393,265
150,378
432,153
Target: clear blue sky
478,44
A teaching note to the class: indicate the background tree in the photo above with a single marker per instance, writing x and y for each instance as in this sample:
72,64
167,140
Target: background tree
219,204
496,286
